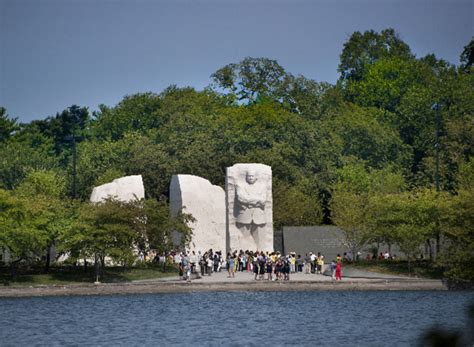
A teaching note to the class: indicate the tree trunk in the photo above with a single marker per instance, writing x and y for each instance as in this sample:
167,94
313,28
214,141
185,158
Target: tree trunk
48,259
13,269
96,267
430,249
438,246
409,266
102,267
85,265
377,254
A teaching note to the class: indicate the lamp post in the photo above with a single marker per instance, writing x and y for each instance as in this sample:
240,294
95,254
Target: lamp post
436,107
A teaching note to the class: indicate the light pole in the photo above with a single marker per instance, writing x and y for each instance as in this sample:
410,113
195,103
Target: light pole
436,107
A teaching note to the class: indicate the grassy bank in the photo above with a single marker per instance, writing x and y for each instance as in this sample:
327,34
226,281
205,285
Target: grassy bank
69,275
422,269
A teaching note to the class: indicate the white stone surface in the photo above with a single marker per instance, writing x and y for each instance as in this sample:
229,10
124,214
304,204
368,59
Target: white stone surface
249,207
126,188
206,202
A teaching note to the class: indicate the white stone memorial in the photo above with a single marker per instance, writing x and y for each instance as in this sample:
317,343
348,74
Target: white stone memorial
206,203
126,189
249,207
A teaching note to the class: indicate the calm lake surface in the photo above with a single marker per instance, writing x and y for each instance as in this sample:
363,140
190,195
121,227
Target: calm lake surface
246,318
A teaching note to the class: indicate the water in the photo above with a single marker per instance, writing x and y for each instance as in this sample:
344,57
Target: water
238,318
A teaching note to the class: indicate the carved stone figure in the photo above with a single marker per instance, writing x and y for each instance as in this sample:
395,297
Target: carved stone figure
126,188
206,203
249,207
251,197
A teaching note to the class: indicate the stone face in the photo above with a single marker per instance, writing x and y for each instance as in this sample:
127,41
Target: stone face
206,203
249,207
126,188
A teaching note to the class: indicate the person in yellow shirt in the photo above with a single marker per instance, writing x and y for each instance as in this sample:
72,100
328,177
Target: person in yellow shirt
320,263
293,262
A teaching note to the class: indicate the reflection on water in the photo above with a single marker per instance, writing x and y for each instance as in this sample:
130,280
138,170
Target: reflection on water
237,318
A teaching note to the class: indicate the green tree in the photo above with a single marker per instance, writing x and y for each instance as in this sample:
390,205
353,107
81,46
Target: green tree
364,49
42,193
293,206
349,206
407,218
19,234
71,122
112,229
252,79
135,113
467,56
457,223
384,83
7,125
357,200
25,151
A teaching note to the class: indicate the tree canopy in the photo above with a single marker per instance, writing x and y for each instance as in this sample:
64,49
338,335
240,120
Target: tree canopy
337,151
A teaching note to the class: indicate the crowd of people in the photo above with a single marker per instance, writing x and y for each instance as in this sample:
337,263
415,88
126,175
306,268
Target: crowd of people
271,266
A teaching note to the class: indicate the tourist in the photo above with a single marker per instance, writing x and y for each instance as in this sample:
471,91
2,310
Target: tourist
202,263
313,262
244,262
177,258
185,263
231,266
223,263
307,263
255,267
299,263
333,269
210,265
279,269
193,261
261,266
216,263
269,269
286,269
320,262
293,262
338,271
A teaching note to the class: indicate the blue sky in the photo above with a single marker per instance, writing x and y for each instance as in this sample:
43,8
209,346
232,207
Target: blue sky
56,53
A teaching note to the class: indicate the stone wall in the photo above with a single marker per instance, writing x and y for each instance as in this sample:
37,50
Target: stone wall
326,239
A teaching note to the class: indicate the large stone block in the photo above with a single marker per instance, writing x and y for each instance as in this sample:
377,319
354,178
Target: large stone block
206,202
126,188
249,207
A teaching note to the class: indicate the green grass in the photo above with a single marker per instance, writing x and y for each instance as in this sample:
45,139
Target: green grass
69,275
424,269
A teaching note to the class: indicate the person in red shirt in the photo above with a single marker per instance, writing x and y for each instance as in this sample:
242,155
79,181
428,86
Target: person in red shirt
338,271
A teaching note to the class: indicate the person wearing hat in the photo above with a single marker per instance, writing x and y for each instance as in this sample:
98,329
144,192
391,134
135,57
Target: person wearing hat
313,263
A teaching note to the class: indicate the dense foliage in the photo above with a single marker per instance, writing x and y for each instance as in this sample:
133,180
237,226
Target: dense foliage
364,154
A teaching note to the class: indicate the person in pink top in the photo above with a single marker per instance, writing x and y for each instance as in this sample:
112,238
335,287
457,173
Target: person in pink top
338,271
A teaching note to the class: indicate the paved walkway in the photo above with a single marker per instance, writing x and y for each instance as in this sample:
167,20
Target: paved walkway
243,281
347,273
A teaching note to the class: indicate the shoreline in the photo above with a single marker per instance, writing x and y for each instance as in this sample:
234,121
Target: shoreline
171,287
